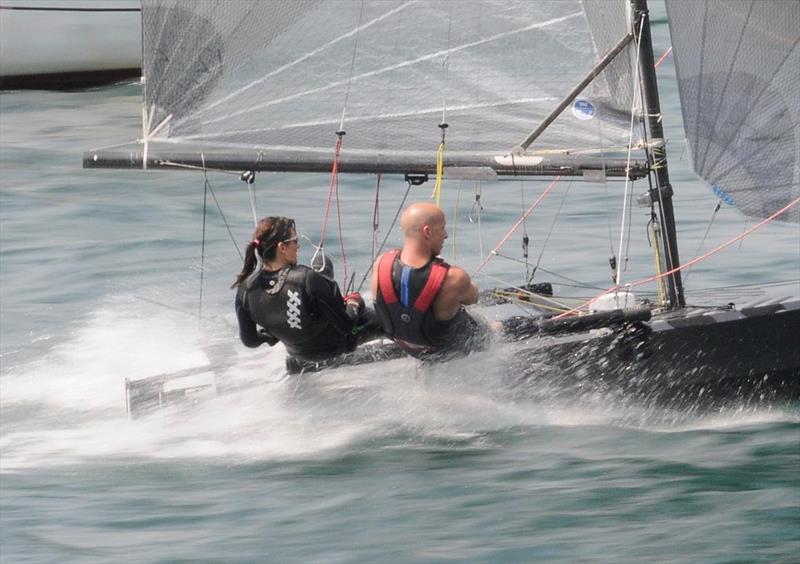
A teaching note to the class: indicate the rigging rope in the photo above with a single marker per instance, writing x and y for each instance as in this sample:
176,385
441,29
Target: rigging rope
333,191
685,265
525,239
654,231
478,206
376,218
203,248
333,187
623,258
389,232
526,292
437,186
663,57
705,235
550,232
352,66
341,236
250,178
207,188
520,220
455,219
574,283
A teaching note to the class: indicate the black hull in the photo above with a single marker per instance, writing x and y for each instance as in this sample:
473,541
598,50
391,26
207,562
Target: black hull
689,359
683,359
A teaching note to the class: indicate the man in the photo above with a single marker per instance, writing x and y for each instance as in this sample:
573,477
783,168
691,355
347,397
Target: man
419,298
294,304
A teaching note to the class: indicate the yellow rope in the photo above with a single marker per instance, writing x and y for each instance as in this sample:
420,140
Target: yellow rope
662,291
437,187
522,298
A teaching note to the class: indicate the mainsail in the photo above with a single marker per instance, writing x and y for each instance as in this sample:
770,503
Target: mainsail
738,67
279,79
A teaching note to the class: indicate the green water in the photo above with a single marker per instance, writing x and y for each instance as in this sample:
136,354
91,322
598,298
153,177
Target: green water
99,275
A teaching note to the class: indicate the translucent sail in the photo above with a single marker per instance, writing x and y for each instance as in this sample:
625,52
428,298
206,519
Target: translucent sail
738,66
287,75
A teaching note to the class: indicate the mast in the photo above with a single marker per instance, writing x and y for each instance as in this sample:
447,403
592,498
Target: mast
662,191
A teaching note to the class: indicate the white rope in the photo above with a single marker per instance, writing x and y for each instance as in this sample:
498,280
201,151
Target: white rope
251,188
618,275
319,249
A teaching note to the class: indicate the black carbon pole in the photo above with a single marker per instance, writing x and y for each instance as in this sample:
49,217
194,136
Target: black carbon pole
662,192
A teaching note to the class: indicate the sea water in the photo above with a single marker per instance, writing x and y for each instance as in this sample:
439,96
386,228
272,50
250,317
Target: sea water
108,275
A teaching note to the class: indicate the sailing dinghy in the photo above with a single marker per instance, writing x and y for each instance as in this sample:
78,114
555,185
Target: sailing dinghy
537,90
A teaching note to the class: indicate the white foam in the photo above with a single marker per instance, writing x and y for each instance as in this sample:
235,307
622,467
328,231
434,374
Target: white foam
68,406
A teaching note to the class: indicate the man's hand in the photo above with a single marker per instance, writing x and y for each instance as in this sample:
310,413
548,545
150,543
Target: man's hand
355,301
354,297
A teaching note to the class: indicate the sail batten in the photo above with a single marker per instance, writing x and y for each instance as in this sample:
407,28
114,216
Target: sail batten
304,57
441,54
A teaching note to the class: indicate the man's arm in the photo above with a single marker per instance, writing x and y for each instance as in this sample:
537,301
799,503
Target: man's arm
468,290
457,290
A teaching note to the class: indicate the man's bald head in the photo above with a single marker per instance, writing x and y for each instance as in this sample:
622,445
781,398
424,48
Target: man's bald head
418,215
423,226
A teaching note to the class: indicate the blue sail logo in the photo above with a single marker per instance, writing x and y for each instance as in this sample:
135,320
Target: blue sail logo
583,109
723,195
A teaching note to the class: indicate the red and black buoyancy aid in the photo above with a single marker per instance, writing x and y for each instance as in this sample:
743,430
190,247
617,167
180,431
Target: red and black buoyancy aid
405,299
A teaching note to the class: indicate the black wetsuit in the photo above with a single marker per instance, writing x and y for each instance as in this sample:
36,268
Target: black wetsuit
302,309
404,305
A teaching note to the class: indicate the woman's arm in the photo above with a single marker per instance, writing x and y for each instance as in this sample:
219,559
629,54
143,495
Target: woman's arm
330,303
249,333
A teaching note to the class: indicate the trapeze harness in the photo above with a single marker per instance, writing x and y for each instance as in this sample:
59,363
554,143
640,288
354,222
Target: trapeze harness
297,307
404,306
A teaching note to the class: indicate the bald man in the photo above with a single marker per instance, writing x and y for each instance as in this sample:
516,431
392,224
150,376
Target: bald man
419,298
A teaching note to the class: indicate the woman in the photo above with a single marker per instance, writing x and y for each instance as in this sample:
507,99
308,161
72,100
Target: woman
292,303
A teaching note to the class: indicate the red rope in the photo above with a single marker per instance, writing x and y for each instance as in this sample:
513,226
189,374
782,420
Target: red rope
664,56
332,186
692,262
339,219
333,192
518,223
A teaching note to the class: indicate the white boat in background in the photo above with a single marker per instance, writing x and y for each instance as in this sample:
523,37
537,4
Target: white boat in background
67,43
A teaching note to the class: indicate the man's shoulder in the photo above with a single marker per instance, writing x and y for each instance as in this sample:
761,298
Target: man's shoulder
391,254
456,272
458,281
